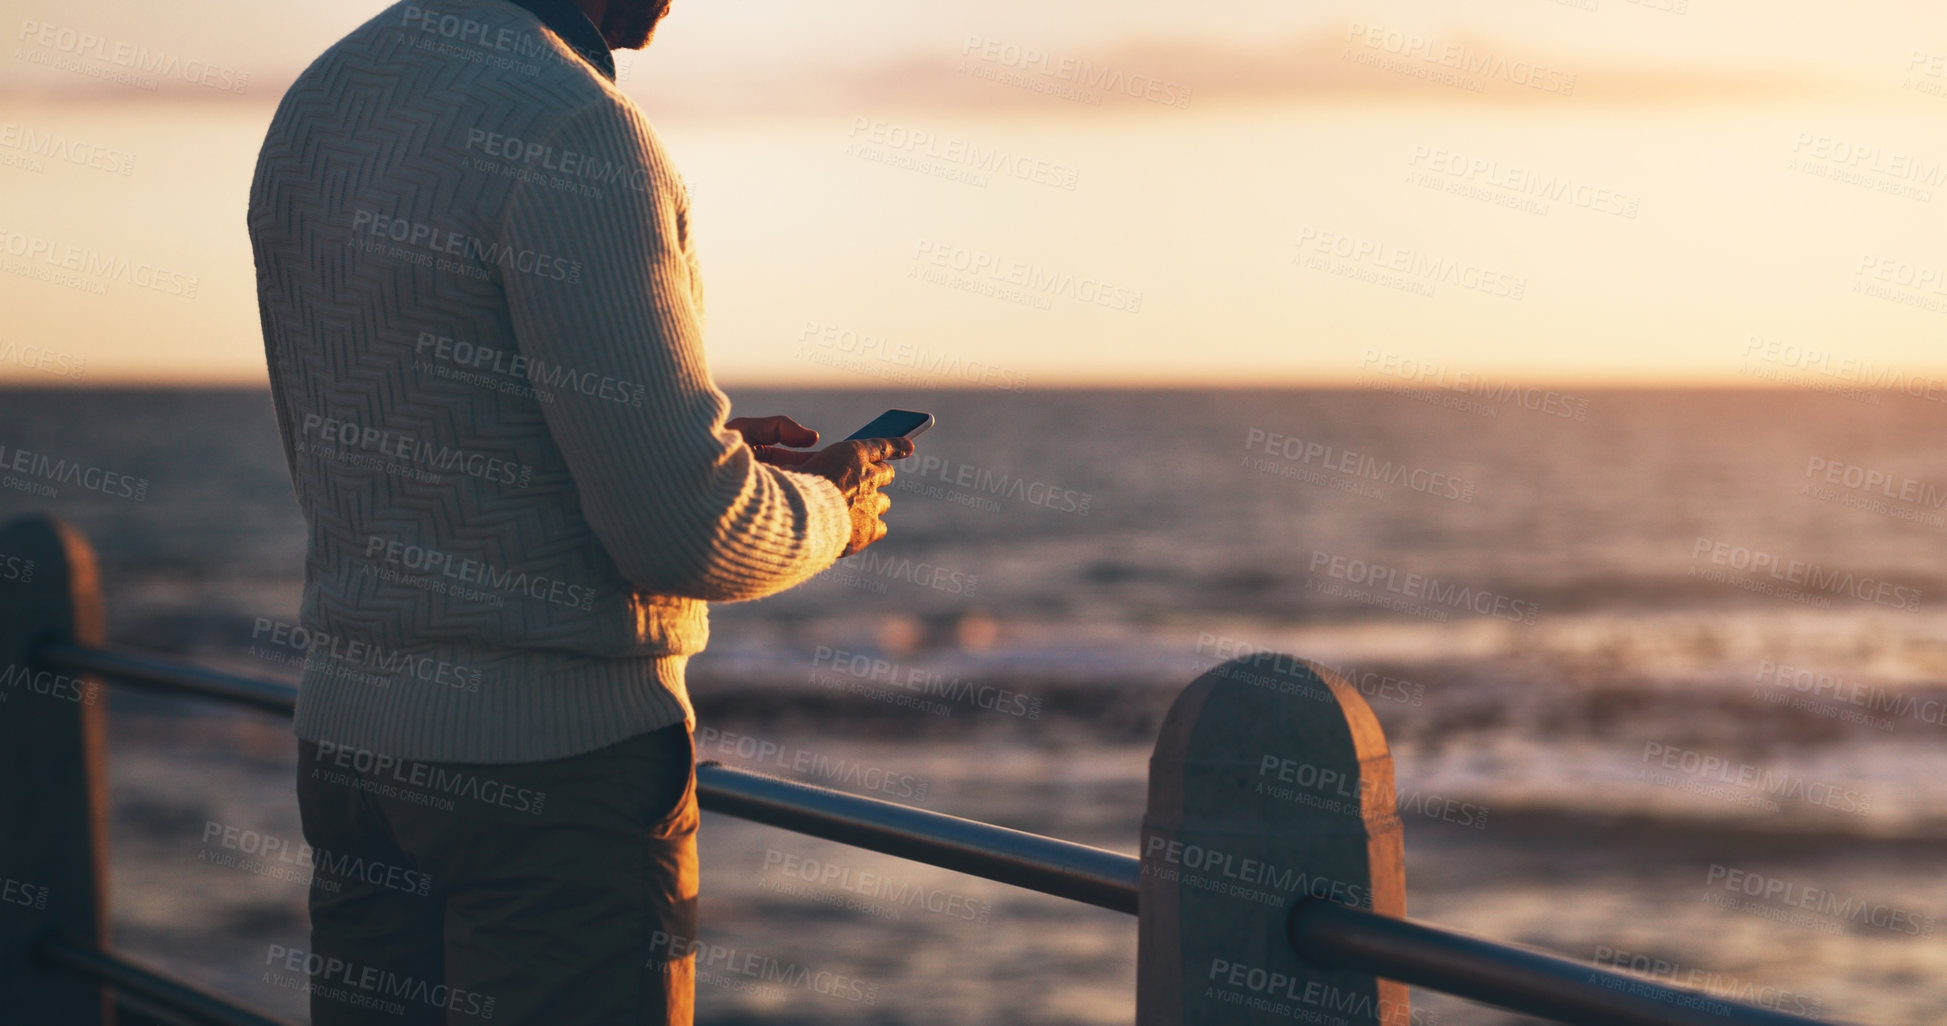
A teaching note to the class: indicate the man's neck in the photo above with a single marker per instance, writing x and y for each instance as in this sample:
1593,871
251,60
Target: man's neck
594,9
578,26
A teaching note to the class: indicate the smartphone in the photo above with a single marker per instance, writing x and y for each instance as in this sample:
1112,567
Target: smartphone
894,424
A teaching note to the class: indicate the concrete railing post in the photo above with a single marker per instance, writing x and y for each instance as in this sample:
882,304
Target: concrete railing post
53,784
1270,785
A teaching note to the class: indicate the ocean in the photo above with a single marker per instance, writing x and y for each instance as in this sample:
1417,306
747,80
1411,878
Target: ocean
1632,650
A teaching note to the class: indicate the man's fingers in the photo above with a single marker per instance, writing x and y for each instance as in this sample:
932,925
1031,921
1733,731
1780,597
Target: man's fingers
792,433
878,475
882,502
775,430
878,449
752,428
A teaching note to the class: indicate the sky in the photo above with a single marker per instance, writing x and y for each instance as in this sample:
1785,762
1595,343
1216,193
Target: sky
1657,192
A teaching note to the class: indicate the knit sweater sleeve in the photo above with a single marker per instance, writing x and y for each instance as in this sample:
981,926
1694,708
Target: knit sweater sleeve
598,287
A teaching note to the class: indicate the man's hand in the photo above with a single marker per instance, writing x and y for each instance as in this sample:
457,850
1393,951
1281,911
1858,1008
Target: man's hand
859,469
765,434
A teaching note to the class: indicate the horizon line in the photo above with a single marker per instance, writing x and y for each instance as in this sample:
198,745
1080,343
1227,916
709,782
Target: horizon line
10,384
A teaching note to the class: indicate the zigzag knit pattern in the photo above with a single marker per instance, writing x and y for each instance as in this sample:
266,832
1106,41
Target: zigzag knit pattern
483,321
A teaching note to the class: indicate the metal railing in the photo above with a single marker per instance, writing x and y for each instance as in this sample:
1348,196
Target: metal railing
1327,936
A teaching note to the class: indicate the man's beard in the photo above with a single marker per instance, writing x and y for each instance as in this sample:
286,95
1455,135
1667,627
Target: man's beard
629,24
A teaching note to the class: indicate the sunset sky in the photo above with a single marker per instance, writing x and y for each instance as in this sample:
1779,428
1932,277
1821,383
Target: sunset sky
1668,191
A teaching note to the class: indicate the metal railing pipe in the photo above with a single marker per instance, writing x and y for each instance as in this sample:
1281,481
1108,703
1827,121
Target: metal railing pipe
1065,869
129,978
1062,868
168,674
1517,979
1321,932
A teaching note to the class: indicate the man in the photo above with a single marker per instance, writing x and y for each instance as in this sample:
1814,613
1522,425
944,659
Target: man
483,323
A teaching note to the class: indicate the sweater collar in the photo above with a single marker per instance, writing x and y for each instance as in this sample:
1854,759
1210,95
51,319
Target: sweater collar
567,21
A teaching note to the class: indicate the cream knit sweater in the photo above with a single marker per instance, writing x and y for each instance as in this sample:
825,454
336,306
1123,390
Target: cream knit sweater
483,323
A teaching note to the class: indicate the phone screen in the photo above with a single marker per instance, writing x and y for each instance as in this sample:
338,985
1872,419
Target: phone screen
892,424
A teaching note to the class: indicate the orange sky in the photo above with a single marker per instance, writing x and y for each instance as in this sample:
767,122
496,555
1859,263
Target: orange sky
1628,194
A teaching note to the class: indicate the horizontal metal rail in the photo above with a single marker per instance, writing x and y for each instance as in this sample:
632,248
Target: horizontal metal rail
1046,864
1093,876
169,674
159,989
1523,981
1321,932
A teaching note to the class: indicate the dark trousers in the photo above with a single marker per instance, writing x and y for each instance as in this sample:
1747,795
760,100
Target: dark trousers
558,892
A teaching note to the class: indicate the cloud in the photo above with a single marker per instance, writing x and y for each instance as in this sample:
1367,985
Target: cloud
1318,68
1324,68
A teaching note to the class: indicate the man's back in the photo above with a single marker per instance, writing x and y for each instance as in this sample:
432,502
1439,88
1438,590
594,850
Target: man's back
483,327
482,320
